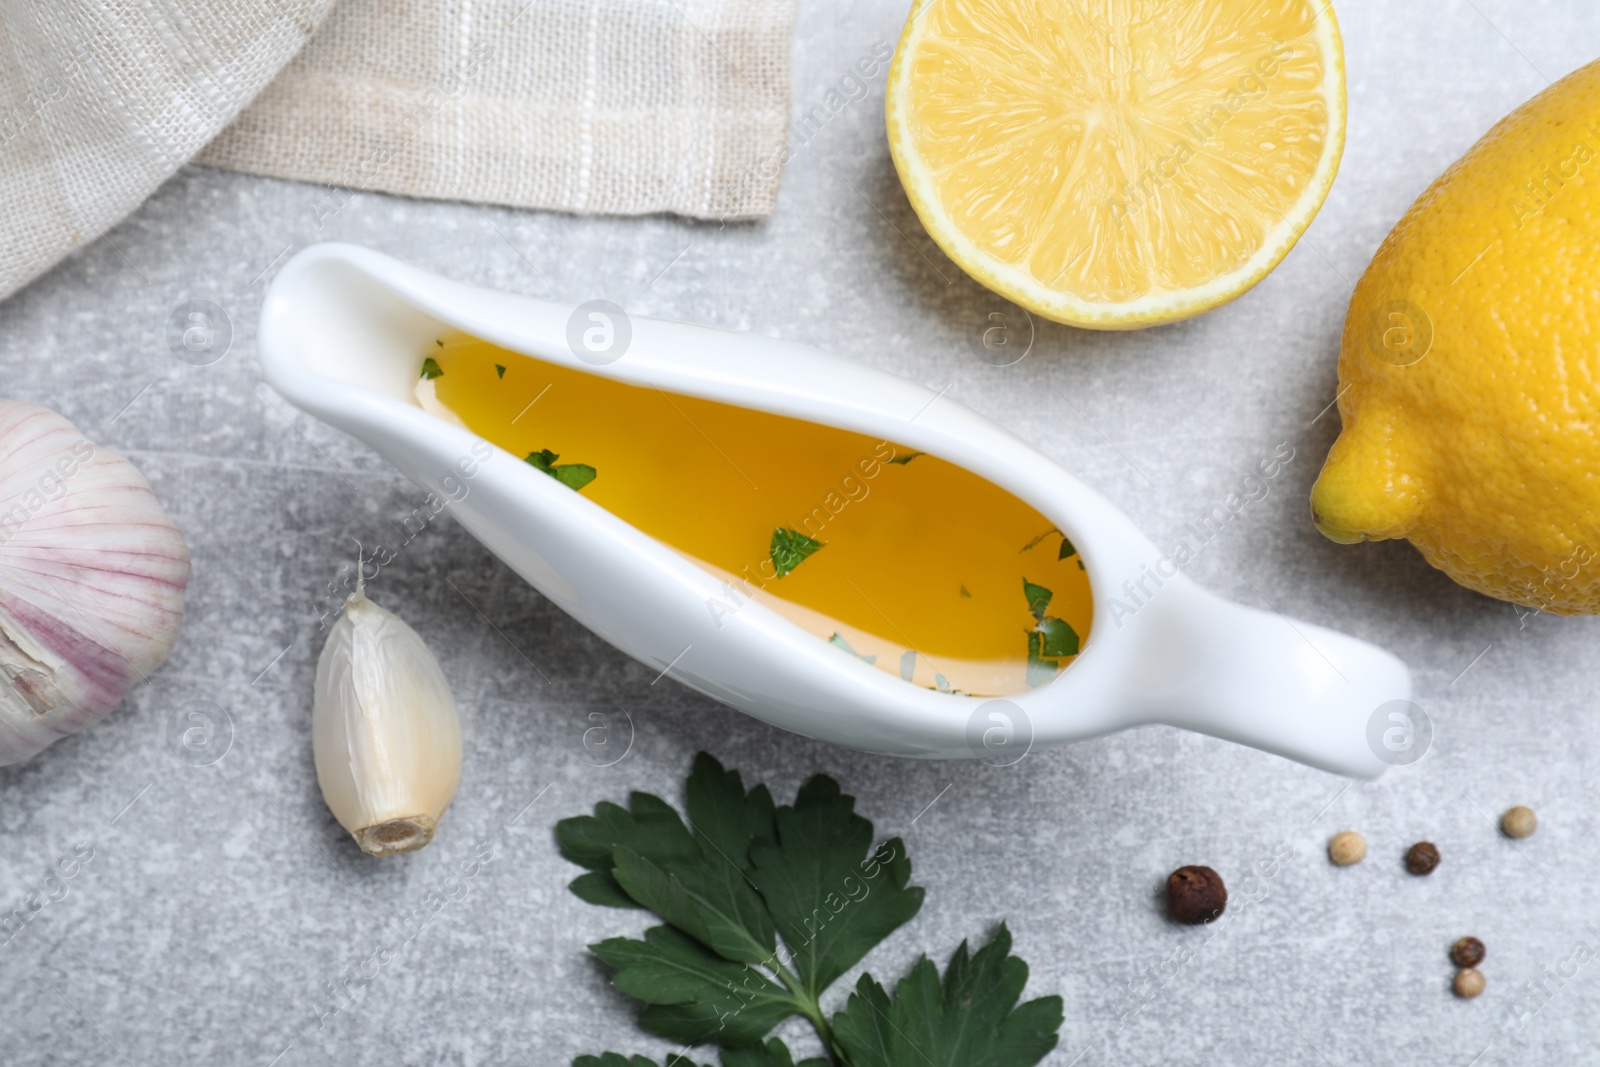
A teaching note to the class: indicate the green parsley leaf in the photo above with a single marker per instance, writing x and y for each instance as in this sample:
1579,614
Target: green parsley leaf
438,342
691,994
1041,672
1039,669
696,880
574,475
1048,642
616,1059
773,1054
907,458
431,368
499,370
598,887
832,896
694,976
1068,549
970,1018
1057,638
571,475
1038,598
649,826
790,549
838,641
965,591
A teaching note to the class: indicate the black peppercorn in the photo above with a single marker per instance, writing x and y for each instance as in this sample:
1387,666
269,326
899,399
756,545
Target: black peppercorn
1468,952
1195,895
1422,858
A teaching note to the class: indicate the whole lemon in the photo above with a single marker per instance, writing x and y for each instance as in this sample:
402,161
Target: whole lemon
1469,371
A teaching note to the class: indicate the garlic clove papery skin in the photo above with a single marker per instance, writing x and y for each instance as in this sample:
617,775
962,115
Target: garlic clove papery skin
384,731
92,580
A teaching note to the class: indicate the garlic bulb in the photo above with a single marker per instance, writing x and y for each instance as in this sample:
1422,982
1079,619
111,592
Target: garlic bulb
384,730
92,575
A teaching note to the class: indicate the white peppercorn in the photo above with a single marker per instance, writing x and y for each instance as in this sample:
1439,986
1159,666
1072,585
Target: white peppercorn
1347,848
1519,822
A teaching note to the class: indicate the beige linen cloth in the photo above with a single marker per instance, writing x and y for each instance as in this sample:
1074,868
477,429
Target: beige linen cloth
605,106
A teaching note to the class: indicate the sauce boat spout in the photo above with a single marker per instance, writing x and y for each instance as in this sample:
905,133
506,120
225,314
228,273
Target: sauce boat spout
343,335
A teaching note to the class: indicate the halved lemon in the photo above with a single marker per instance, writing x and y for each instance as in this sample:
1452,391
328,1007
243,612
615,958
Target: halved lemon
1117,163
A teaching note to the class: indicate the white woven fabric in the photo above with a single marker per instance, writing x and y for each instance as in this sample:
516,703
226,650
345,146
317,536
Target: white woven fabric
604,106
100,102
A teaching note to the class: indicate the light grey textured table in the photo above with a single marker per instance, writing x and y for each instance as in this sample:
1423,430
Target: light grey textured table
222,902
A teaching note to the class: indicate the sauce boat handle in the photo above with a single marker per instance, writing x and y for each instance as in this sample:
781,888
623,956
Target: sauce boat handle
1262,679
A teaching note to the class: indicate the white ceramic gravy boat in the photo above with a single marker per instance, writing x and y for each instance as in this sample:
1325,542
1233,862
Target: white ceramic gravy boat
342,335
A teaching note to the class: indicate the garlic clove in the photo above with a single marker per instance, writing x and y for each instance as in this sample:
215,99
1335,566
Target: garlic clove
385,732
92,579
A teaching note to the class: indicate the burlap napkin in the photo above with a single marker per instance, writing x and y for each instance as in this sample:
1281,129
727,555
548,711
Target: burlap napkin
614,106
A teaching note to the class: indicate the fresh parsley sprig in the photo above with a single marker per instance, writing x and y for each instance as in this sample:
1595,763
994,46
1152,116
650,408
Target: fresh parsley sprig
765,907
